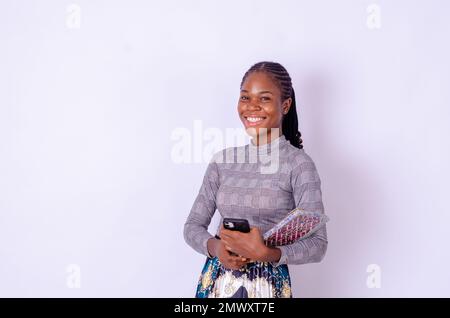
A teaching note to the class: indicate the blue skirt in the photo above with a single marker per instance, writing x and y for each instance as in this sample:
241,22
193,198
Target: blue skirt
254,280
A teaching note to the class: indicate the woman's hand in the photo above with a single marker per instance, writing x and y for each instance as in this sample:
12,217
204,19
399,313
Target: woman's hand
227,259
249,245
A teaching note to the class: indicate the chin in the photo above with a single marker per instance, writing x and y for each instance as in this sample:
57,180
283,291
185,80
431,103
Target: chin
255,131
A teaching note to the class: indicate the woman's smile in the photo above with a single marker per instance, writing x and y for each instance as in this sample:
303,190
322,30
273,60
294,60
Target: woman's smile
252,121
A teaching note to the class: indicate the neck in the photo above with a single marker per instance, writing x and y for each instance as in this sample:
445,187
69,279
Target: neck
264,138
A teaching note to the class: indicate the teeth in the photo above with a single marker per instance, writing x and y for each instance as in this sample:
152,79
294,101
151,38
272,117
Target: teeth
254,119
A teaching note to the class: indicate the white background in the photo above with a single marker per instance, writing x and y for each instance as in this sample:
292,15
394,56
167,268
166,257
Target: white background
87,114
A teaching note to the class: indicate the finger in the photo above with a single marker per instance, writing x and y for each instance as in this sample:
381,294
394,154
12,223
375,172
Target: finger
230,233
225,240
227,247
241,260
255,230
236,234
228,243
225,233
235,262
235,257
238,263
231,253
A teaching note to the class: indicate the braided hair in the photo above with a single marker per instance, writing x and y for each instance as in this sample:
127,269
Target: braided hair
282,79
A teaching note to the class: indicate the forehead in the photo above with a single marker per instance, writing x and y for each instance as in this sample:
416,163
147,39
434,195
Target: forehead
259,81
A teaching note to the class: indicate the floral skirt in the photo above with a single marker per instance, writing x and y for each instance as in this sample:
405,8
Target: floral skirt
254,280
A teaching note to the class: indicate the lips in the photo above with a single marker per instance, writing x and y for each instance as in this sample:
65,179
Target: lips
254,120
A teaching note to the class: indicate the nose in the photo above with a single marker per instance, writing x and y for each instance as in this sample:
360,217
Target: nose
254,106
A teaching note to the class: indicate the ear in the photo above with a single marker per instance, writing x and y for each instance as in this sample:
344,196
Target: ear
286,106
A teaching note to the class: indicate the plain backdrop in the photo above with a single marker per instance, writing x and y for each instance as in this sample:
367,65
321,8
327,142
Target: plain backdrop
88,108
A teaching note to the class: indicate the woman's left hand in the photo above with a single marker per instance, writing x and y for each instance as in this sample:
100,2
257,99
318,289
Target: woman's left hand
249,245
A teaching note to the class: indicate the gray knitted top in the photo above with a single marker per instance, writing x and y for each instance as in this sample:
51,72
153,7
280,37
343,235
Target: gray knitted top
261,184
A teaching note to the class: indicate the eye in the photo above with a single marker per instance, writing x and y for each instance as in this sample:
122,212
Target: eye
244,98
265,98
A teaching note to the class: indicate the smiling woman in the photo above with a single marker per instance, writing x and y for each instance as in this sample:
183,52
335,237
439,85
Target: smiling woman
240,264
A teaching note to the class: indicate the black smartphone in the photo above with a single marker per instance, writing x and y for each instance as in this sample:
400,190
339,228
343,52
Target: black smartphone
233,224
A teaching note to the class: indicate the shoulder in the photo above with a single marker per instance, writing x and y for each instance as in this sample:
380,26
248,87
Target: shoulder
299,160
296,156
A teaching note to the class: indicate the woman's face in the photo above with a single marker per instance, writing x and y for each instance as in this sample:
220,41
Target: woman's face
260,105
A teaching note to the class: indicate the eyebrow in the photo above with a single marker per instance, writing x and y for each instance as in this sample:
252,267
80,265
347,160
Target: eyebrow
262,92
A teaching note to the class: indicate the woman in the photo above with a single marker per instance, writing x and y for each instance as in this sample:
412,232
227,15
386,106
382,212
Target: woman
240,264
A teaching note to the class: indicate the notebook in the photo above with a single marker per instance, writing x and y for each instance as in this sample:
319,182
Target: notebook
298,224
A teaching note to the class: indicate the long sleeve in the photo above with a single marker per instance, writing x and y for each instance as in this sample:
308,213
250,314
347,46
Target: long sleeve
306,190
196,226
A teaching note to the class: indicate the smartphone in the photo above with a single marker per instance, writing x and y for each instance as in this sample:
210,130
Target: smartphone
240,225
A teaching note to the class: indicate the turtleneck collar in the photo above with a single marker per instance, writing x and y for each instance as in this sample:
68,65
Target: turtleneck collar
267,147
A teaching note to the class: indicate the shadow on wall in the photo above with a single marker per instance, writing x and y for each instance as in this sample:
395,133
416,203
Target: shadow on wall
347,189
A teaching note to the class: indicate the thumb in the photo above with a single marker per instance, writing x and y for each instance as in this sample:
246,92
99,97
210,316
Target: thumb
255,229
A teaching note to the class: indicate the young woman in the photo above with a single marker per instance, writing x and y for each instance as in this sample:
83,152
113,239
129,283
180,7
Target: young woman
240,264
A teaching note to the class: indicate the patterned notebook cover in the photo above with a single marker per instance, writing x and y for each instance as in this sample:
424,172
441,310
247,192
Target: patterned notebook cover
298,224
